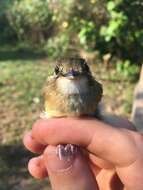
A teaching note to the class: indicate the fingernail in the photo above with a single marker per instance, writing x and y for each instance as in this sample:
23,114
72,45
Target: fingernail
62,158
67,152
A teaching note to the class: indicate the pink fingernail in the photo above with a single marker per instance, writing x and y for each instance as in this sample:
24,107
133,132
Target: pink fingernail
63,159
66,152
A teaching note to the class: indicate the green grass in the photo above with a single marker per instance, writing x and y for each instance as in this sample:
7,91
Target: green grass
21,82
117,90
20,51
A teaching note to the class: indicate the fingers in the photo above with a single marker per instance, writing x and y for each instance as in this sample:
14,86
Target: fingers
46,131
68,171
31,144
37,168
100,162
99,138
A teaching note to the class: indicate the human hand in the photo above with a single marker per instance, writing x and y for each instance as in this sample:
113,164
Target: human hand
115,156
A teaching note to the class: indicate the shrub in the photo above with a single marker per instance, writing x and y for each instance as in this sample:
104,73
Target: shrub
31,20
57,46
123,34
107,26
6,31
80,21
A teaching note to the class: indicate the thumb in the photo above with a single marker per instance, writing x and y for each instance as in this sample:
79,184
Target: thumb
69,170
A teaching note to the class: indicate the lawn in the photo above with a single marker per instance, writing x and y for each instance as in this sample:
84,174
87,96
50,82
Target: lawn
22,76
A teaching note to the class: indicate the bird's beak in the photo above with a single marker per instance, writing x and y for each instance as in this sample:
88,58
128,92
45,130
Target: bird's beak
72,74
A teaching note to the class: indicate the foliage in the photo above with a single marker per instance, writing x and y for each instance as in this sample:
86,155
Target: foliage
86,37
6,31
57,46
126,69
123,33
115,24
31,20
109,26
79,21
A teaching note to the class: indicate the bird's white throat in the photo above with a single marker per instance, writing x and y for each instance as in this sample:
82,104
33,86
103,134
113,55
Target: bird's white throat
67,86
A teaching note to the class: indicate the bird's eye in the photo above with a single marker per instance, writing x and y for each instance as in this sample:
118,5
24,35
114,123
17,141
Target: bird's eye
57,70
85,68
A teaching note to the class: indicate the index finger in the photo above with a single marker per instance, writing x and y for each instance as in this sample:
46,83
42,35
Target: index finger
114,145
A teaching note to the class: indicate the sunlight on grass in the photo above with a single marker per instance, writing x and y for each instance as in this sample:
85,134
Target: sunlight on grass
21,83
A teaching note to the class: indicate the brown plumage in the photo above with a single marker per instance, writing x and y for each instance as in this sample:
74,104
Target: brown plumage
71,90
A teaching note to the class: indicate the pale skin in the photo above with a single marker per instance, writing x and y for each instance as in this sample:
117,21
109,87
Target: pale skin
112,158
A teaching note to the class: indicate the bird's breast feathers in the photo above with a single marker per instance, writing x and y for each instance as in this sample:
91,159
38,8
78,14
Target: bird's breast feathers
71,98
67,87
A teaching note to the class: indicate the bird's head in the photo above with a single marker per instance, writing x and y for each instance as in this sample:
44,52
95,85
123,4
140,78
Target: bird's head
72,75
72,68
72,90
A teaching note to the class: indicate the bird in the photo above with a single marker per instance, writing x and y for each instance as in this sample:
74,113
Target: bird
71,91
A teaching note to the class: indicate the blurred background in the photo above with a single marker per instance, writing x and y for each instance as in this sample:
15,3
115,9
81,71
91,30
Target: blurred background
33,34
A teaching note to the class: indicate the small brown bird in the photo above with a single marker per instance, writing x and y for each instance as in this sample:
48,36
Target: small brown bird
71,91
